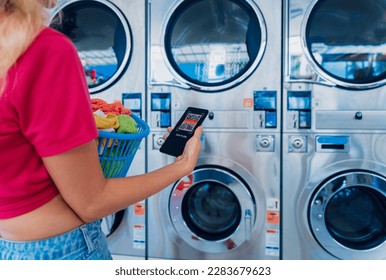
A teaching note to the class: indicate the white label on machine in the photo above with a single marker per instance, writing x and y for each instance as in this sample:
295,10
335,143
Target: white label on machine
139,237
272,241
273,204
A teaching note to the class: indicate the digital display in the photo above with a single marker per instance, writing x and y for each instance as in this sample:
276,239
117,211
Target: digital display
265,100
300,100
160,102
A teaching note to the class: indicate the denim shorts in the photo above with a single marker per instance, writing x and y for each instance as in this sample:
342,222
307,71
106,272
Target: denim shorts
86,242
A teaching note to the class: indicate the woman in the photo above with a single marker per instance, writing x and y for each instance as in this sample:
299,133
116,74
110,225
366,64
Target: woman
52,189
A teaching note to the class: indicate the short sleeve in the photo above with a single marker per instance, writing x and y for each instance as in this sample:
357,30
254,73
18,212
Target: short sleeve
53,99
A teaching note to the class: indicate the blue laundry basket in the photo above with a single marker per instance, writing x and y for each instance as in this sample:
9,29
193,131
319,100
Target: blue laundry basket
117,150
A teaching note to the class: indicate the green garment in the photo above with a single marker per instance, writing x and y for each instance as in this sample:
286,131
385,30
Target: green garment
126,124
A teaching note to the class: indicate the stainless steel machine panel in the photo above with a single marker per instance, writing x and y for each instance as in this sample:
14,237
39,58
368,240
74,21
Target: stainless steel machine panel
351,120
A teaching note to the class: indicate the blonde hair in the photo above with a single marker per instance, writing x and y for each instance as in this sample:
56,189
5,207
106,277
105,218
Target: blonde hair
20,22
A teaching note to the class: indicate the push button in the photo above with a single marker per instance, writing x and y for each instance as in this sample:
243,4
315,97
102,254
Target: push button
297,144
358,115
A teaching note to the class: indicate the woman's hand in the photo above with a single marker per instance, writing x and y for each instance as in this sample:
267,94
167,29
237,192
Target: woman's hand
191,151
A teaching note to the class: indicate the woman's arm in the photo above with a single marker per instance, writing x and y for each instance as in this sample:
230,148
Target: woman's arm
78,175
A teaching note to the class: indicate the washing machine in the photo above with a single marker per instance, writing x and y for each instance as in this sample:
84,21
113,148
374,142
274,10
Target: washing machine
224,209
110,39
223,56
334,204
333,168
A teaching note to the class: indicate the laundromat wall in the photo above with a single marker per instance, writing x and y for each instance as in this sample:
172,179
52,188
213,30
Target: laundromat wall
293,164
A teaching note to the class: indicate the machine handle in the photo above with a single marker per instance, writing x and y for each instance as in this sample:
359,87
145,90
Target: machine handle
173,83
289,80
248,224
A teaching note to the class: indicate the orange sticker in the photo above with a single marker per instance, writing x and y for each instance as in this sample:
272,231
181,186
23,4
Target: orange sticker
273,217
248,102
139,209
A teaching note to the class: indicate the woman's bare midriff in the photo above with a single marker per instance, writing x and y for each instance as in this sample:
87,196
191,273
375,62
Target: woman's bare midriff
51,219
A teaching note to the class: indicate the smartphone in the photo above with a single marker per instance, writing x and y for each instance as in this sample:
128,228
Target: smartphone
191,119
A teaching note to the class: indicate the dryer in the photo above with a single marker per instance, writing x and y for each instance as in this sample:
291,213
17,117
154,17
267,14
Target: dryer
333,105
222,56
110,39
334,61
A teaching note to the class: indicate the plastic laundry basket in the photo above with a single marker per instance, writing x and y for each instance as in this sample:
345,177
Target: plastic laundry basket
117,150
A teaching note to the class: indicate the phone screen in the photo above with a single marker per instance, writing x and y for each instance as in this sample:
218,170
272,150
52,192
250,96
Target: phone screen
190,122
175,143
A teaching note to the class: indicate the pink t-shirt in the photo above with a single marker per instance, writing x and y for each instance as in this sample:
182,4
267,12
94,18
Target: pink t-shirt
45,110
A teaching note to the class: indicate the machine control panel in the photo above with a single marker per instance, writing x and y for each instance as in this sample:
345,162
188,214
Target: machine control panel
160,110
133,101
265,109
265,143
299,109
158,141
332,144
297,143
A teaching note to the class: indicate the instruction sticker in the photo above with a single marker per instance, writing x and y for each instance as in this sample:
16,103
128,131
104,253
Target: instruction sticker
139,236
139,209
272,241
273,217
248,102
273,204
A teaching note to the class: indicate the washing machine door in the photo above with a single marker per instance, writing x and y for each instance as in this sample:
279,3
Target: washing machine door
213,45
347,215
345,41
111,223
212,210
101,35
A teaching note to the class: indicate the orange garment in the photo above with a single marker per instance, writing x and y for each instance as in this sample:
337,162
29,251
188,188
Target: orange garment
115,108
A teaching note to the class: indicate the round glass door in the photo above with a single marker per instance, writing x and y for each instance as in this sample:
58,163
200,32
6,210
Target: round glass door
345,40
212,210
214,44
102,37
348,215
